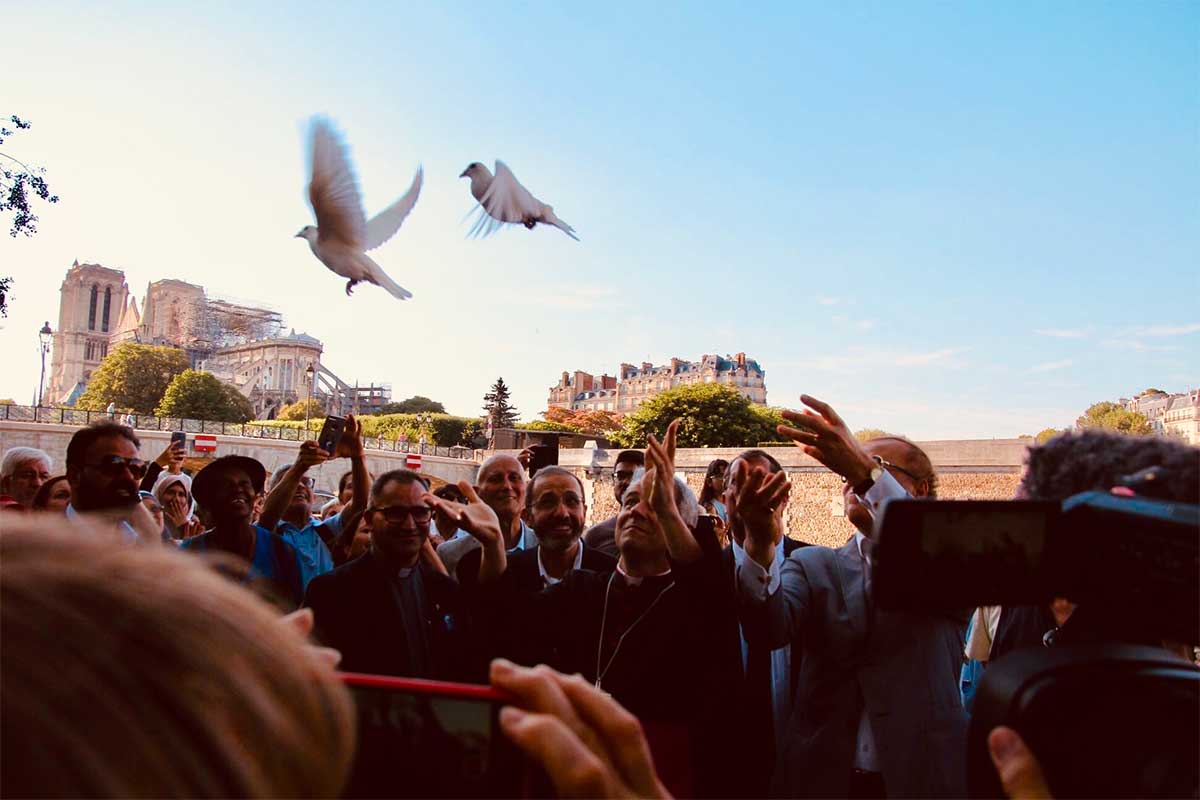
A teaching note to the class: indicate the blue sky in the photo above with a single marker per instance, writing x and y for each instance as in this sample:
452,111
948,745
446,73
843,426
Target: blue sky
950,220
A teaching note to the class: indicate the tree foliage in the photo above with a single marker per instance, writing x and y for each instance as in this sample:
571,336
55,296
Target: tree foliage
1151,391
569,420
867,434
711,414
5,286
134,377
200,395
1047,434
297,411
497,408
443,430
1114,417
18,181
416,404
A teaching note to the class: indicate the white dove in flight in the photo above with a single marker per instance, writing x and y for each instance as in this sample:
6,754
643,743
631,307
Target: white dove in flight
342,234
502,199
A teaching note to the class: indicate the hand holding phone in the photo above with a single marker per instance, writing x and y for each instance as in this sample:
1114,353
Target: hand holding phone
331,434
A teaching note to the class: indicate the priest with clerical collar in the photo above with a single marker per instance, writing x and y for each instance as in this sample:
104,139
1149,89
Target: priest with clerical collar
389,611
641,632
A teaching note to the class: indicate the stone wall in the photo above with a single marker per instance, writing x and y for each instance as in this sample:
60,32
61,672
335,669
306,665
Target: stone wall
983,469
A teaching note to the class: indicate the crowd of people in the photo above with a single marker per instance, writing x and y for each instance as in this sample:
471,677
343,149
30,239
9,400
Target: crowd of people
714,654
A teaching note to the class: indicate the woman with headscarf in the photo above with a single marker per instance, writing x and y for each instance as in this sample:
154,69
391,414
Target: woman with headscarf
173,490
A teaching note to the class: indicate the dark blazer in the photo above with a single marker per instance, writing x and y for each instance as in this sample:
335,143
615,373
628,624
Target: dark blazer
357,612
602,537
903,667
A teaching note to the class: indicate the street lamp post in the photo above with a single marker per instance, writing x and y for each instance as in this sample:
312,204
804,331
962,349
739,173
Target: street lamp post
311,374
45,335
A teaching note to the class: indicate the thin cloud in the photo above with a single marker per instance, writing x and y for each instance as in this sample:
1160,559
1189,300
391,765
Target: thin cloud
920,359
1166,330
1050,366
1063,333
828,301
1140,347
577,297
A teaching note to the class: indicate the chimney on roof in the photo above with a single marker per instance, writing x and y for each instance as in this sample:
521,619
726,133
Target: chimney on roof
647,366
626,370
675,362
741,360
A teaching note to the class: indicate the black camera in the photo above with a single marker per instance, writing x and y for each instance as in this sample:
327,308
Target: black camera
1106,715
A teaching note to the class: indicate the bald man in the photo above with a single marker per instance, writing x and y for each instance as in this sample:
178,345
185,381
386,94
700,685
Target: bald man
500,483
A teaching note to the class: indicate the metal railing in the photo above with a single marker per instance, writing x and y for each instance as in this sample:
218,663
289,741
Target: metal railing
73,416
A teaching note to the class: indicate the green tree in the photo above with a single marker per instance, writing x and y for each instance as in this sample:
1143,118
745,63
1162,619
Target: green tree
711,414
1114,417
17,181
313,408
867,434
134,377
5,286
1047,434
497,408
1151,391
416,404
200,395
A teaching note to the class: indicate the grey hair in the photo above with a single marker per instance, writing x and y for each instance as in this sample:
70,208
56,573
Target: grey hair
685,498
487,462
19,455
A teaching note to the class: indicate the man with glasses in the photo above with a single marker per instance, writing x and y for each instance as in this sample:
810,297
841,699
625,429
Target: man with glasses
387,611
288,507
602,535
876,710
104,471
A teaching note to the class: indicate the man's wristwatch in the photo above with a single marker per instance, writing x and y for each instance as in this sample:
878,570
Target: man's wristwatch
862,487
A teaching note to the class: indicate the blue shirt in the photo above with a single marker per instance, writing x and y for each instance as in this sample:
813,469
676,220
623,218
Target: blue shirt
313,555
274,560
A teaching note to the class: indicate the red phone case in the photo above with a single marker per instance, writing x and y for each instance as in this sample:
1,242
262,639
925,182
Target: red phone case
465,691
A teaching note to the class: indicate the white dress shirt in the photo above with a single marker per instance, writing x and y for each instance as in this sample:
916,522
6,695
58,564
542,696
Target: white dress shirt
547,578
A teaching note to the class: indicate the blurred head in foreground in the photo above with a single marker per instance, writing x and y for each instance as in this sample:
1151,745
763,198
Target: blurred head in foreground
137,672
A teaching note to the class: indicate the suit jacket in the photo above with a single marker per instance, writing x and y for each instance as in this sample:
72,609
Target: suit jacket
357,612
903,668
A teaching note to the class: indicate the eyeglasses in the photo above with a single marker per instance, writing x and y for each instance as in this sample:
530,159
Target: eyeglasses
397,514
623,476
114,465
890,466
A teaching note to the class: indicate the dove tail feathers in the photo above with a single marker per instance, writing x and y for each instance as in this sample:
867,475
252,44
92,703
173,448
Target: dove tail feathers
377,276
562,226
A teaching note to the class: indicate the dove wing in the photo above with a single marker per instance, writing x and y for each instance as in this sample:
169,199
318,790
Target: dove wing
383,226
505,200
333,190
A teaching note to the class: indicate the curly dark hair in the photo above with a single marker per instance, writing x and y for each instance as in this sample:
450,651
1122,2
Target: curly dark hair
1091,460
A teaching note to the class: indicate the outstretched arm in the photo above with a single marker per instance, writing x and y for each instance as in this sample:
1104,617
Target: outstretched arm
279,497
479,520
682,546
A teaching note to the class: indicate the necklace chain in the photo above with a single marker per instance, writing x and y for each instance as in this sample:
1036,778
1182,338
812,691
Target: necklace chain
621,640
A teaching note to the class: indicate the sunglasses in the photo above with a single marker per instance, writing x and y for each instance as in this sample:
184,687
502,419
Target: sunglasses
397,514
113,466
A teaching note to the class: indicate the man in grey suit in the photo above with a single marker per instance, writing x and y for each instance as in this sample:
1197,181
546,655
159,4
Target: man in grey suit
876,709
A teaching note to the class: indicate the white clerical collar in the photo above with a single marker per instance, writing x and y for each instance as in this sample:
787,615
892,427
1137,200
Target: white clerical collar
634,580
550,580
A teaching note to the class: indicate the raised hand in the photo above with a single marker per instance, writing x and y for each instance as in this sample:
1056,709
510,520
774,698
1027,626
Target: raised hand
826,438
310,455
191,529
475,516
171,458
659,482
350,445
755,507
587,743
